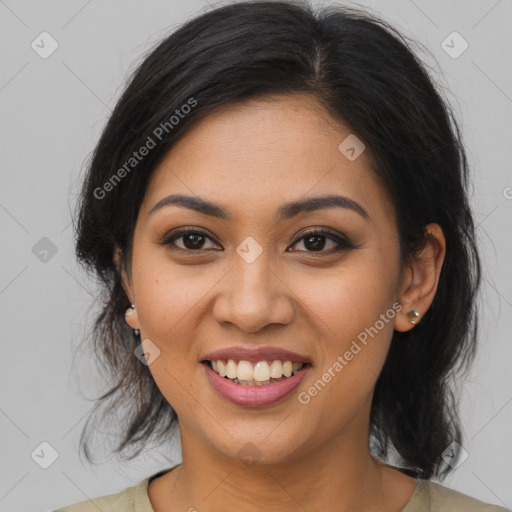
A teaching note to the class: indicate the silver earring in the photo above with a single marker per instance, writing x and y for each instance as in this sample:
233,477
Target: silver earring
413,315
129,311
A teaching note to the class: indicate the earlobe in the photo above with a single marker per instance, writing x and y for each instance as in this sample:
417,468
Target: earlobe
421,279
407,319
414,316
132,319
130,315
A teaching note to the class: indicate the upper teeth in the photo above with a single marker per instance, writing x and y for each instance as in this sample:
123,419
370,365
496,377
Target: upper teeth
261,371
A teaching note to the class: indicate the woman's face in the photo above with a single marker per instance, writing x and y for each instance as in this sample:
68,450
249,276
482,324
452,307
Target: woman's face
251,280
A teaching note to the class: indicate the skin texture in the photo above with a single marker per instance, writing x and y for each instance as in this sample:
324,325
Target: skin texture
251,158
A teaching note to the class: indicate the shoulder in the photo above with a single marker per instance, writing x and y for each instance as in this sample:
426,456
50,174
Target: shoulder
131,499
434,497
124,501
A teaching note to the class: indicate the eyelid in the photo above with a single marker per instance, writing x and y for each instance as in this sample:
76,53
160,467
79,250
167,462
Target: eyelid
342,241
169,238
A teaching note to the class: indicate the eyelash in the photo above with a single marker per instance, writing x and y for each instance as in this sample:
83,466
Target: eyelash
342,243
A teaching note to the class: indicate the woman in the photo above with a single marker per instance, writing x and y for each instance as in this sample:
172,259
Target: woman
278,212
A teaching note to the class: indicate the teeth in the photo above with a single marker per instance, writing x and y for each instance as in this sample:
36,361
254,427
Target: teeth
261,371
276,369
252,382
244,372
231,369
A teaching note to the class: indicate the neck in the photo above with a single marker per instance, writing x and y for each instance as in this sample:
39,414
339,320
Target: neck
342,476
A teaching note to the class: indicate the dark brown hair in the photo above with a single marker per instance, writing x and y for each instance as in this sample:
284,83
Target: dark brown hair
367,76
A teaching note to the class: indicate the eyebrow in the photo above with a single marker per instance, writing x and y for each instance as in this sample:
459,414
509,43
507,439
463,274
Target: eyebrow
285,212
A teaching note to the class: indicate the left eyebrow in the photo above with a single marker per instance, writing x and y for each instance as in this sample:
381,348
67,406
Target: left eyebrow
285,212
319,203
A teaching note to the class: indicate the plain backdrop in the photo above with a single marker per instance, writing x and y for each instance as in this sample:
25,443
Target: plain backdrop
53,111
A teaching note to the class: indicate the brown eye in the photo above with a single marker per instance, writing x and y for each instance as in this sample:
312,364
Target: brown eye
315,241
192,240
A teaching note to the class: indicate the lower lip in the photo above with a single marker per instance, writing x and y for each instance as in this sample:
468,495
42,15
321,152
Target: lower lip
254,396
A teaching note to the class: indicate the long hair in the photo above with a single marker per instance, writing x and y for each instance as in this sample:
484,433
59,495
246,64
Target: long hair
366,75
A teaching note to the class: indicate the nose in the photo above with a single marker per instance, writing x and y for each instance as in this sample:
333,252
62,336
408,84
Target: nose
253,296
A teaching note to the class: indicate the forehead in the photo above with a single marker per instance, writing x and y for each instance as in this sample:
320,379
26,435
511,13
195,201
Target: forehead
261,153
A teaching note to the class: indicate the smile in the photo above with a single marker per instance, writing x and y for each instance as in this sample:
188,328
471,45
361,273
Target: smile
249,392
251,373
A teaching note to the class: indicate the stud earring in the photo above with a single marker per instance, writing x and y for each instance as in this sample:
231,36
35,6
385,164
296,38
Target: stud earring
414,316
128,312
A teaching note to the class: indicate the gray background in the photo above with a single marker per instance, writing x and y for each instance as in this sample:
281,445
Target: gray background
53,110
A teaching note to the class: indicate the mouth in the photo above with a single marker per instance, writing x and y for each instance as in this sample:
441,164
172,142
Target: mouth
256,373
252,383
255,376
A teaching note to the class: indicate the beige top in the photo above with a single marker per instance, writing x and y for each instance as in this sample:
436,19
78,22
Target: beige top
427,497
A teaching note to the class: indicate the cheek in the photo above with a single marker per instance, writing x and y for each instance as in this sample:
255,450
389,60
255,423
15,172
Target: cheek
166,292
353,297
165,303
353,316
168,305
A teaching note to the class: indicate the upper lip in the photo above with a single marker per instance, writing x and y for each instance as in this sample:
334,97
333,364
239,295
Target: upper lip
255,354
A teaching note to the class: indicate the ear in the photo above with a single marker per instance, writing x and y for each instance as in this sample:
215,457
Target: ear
131,314
421,278
125,280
